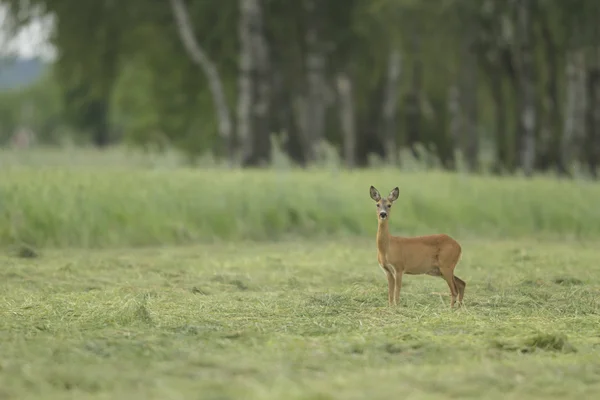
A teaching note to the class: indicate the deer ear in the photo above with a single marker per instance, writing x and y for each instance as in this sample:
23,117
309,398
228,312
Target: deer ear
394,194
374,194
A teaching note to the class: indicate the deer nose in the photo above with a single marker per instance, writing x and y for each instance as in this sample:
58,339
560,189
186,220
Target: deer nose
382,214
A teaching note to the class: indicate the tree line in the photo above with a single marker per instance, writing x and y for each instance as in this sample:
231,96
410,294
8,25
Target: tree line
505,85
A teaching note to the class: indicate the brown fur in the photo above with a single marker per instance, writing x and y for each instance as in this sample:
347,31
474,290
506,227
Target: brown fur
435,255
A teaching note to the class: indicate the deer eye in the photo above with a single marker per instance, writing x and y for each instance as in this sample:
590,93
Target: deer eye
389,206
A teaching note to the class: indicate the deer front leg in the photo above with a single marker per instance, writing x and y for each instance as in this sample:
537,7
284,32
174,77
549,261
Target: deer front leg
391,284
398,285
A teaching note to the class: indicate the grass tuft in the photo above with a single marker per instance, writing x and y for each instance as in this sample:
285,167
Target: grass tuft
540,341
26,251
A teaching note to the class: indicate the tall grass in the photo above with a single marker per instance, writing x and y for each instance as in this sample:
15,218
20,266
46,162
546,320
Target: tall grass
91,206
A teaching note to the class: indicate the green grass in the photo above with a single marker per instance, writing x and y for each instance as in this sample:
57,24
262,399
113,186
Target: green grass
88,206
298,320
131,276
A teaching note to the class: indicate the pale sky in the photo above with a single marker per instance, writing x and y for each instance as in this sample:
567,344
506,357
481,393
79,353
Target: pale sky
31,41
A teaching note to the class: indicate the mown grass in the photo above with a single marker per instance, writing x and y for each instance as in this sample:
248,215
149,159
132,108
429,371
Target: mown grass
117,206
303,319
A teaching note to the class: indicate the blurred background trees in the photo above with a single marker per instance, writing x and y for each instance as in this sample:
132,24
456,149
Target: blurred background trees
507,86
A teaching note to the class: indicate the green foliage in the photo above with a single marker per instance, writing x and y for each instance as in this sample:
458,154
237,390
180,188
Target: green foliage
37,107
128,58
298,320
119,206
161,97
134,108
158,106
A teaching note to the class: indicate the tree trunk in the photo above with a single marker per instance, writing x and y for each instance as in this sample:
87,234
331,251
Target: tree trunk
496,63
468,100
284,120
101,129
549,154
390,107
503,141
508,57
516,138
413,97
197,54
256,145
455,125
315,77
527,87
347,118
592,139
246,87
575,107
369,129
443,142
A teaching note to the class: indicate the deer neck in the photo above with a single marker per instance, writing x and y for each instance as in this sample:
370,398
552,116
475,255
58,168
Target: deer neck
383,237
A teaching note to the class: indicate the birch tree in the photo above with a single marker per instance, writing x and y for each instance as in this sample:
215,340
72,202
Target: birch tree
197,54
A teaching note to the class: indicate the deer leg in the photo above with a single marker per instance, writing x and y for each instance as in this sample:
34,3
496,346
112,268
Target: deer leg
398,286
447,259
460,286
390,273
391,284
449,278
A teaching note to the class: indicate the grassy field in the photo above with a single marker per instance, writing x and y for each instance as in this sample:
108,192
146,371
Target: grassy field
133,277
298,320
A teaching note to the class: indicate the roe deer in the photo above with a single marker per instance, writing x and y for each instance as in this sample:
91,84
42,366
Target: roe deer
435,255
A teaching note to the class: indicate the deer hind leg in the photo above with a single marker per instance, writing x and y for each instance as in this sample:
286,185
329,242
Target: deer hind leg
460,286
458,283
449,278
447,259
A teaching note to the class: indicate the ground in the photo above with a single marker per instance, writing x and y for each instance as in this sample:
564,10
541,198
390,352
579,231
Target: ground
298,320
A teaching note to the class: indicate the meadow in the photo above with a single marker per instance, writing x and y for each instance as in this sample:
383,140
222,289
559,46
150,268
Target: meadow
126,278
